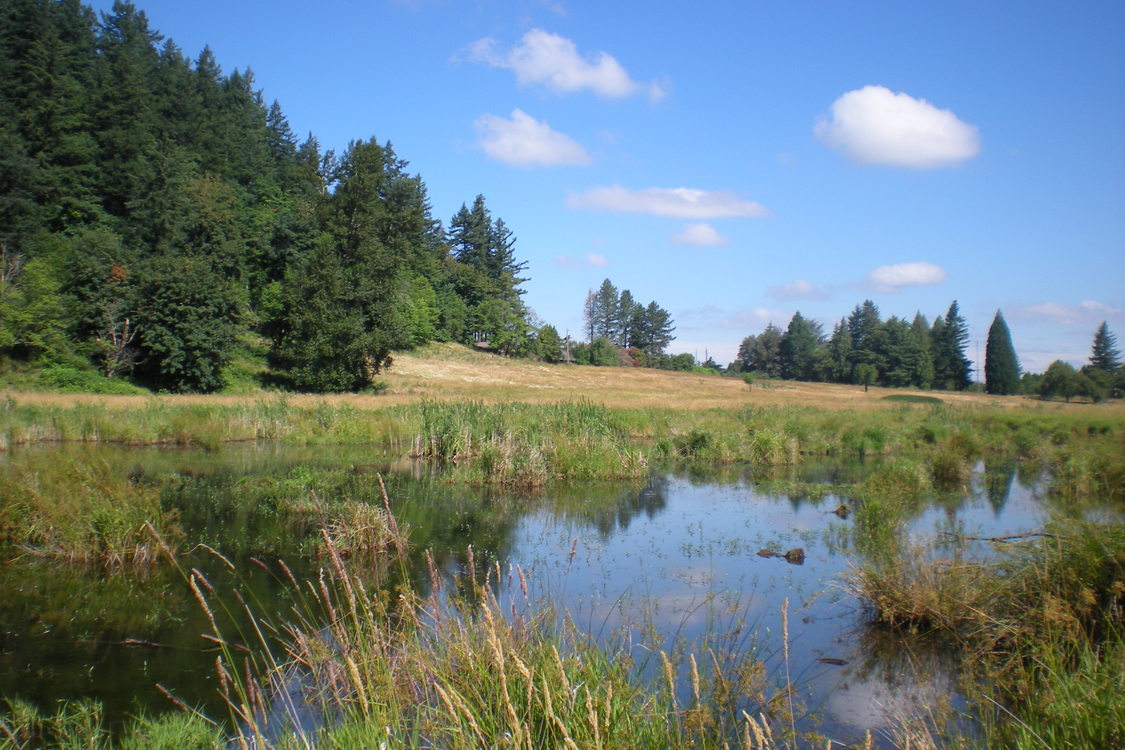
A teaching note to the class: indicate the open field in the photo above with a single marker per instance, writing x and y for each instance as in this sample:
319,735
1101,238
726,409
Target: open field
452,372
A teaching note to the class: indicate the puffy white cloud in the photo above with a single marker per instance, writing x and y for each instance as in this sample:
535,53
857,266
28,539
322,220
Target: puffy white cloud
893,278
592,260
524,141
700,235
874,125
553,61
799,289
680,203
1089,312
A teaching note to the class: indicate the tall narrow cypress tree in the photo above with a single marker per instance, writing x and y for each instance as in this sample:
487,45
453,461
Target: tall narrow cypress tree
1001,367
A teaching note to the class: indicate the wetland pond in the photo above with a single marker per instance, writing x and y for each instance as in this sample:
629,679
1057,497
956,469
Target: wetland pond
675,561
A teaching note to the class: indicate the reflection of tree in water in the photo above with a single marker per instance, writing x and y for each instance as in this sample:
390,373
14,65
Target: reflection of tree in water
608,508
999,476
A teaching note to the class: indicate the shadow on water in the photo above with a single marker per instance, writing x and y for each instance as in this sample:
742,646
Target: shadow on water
671,562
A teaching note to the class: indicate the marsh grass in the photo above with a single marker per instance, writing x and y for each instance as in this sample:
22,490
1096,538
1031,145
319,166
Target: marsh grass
1038,628
529,444
80,512
519,444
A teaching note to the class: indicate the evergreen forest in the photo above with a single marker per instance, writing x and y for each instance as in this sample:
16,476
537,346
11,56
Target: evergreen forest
160,223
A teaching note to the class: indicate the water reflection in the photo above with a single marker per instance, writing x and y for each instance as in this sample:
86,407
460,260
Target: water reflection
668,562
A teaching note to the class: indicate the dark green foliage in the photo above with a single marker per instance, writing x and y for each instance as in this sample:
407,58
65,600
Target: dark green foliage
624,322
952,371
121,159
602,312
909,398
839,347
1104,354
865,375
343,311
32,312
762,353
801,349
495,314
1060,379
550,345
1001,368
863,325
187,318
603,353
654,332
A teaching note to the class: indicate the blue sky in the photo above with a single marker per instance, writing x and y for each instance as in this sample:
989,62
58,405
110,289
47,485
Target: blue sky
738,161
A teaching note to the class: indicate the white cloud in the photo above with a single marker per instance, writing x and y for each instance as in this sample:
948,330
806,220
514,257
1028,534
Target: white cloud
893,278
742,321
1089,312
874,125
700,235
680,203
592,260
524,141
553,61
799,289
1099,308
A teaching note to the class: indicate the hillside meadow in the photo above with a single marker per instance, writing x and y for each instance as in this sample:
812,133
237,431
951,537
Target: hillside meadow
455,372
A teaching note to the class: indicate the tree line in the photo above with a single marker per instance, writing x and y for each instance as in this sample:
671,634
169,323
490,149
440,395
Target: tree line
157,218
1101,377
865,349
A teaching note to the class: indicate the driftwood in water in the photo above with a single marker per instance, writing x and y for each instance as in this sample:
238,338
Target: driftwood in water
1010,537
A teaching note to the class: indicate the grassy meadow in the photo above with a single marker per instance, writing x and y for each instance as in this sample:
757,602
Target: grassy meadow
1038,623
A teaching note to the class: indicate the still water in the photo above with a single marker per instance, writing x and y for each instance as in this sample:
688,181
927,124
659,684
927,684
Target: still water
678,560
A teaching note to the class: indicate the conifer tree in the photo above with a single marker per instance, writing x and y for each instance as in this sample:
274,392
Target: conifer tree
923,376
839,350
800,348
605,312
952,370
1001,367
1104,354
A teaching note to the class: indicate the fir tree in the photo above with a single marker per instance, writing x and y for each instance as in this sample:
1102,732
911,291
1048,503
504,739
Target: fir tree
800,348
952,370
1001,367
1104,354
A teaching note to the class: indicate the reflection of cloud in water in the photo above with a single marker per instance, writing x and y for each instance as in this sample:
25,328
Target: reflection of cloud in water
876,701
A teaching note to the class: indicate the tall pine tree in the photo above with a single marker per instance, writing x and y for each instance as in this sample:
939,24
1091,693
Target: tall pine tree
1104,354
952,370
1001,367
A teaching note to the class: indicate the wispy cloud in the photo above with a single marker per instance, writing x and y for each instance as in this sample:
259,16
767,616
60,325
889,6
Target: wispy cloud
590,260
745,321
874,125
799,289
546,59
681,203
523,141
1090,312
700,235
893,278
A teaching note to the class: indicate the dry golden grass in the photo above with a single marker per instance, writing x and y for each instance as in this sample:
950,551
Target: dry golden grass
456,373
